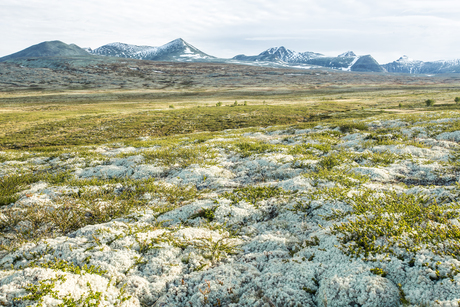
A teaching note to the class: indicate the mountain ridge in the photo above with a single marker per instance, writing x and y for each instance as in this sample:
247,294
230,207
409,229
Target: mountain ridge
176,50
347,61
410,66
179,50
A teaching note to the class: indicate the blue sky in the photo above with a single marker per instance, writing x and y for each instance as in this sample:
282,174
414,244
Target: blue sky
425,30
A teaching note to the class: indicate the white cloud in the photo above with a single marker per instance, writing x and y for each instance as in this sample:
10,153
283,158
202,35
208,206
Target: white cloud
425,30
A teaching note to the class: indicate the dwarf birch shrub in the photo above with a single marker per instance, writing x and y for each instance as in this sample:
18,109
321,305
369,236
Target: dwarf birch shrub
88,206
253,195
12,184
246,149
180,156
399,225
343,177
350,127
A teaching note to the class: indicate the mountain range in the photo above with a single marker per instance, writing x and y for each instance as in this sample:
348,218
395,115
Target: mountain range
348,61
176,50
407,65
179,50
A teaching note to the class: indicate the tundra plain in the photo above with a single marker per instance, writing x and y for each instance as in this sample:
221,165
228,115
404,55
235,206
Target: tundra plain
136,183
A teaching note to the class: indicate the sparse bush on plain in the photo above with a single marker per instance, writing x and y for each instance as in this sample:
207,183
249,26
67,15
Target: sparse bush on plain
253,195
246,149
345,128
430,102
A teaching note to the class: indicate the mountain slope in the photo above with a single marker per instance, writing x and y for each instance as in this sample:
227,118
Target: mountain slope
348,61
176,50
277,54
367,63
340,62
121,50
47,49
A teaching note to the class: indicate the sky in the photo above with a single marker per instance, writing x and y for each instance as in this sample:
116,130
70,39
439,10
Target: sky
423,30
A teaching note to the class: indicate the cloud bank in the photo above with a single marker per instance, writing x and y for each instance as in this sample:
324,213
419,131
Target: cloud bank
424,30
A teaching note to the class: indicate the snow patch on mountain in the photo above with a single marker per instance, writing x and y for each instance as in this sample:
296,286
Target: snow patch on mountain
122,50
406,59
351,64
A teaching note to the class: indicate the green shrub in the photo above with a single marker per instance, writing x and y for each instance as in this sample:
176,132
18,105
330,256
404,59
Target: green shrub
180,156
429,102
328,162
379,271
11,185
219,104
345,128
254,194
407,223
246,149
457,100
206,213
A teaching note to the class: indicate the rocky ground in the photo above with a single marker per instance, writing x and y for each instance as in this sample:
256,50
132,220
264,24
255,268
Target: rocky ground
102,73
361,213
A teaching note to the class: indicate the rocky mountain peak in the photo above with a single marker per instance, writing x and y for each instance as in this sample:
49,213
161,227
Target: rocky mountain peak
405,59
347,54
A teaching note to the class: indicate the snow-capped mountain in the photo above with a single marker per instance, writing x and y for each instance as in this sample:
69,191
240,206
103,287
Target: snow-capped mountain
176,50
407,65
347,54
121,50
179,50
280,54
347,61
404,64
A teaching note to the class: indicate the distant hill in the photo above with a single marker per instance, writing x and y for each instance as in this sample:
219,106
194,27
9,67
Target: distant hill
176,50
47,49
367,63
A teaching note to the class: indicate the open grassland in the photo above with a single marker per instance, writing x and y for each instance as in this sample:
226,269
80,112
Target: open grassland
275,193
37,119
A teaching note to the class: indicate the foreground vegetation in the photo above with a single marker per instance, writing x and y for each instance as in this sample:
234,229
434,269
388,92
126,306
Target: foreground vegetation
336,196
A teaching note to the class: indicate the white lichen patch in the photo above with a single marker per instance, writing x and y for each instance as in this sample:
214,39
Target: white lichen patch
356,214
